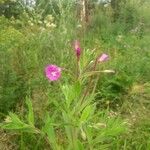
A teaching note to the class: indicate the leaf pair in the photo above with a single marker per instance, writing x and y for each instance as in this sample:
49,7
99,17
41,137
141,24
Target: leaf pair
71,92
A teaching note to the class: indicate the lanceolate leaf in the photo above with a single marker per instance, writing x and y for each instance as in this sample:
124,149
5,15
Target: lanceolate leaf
71,92
13,122
48,129
86,113
30,111
80,145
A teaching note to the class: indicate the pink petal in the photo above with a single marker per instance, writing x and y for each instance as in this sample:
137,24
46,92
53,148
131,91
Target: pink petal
77,48
103,57
53,72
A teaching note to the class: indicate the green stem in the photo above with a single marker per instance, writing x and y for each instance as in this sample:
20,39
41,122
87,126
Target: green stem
89,85
78,69
74,137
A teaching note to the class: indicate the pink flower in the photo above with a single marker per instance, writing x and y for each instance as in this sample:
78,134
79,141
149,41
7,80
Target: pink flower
53,72
77,48
103,57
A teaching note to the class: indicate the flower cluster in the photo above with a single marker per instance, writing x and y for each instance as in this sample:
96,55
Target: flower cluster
53,72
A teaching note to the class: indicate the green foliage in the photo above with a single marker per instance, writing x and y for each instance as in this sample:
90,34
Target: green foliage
10,8
86,113
109,129
30,114
72,115
112,89
12,122
49,130
75,114
71,92
11,81
118,19
59,9
137,106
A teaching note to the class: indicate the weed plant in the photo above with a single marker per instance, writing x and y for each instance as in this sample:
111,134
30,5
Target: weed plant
51,115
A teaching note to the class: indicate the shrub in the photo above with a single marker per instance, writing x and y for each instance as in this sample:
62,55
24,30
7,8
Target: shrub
12,84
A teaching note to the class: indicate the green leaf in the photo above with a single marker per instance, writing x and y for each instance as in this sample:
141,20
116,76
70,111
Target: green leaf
12,122
77,88
67,126
80,145
91,73
71,92
48,129
86,113
30,111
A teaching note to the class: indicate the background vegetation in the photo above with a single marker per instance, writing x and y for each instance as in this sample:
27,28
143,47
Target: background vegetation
33,35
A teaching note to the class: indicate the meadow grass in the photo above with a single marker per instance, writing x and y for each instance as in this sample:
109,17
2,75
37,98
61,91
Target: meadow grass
120,119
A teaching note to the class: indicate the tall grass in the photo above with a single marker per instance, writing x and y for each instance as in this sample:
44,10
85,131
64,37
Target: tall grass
120,98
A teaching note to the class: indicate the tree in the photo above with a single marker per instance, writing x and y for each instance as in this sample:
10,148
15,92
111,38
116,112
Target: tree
116,6
10,8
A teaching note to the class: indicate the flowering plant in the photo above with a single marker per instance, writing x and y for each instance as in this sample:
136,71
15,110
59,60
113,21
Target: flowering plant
76,110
